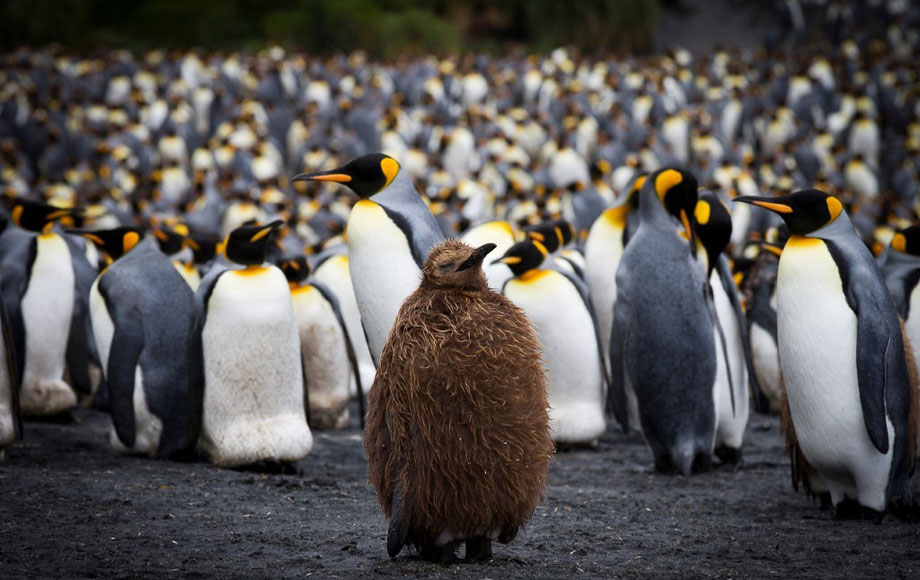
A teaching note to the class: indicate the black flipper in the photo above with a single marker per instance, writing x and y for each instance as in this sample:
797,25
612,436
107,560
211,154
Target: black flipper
728,284
398,530
710,304
20,251
127,344
10,354
880,366
349,348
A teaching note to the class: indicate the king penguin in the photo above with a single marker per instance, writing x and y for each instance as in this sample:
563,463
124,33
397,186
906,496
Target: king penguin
328,358
39,293
604,247
143,319
559,308
661,345
849,380
10,420
254,401
732,346
390,231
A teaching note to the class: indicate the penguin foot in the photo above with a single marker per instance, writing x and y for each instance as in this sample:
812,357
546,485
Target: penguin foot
848,509
730,457
702,463
438,554
479,550
825,499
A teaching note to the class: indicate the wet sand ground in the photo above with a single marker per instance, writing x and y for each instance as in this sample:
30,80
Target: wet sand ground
69,508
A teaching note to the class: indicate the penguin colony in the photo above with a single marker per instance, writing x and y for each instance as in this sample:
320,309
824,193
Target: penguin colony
219,249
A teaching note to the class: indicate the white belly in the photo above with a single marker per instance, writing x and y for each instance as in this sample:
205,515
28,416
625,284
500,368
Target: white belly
325,359
912,324
766,365
334,273
253,395
817,353
383,271
47,308
603,251
570,354
730,422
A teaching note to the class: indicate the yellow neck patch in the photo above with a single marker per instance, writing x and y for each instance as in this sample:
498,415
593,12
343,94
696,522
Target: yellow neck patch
252,270
129,240
701,212
297,288
803,242
834,207
616,216
899,242
665,181
17,214
390,168
531,276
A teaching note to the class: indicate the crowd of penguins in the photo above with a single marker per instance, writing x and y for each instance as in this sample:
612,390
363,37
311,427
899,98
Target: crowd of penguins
214,247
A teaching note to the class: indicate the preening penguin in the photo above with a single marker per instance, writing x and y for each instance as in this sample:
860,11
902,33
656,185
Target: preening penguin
732,347
143,319
328,359
849,381
662,346
39,293
254,400
390,231
559,308
457,441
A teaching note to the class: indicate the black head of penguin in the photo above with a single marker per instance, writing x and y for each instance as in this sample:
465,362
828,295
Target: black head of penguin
170,239
713,225
204,247
115,242
365,175
523,256
907,241
295,268
38,217
803,211
677,190
246,245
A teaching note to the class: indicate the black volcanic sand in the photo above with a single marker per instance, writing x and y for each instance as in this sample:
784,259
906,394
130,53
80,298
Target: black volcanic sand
70,508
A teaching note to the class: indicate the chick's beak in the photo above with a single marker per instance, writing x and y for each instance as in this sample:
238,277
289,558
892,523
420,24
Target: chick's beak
476,258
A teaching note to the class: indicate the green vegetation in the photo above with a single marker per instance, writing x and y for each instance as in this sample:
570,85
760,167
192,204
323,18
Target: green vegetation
382,27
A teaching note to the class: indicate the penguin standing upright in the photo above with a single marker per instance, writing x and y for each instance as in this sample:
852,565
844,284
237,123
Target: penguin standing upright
143,318
499,233
732,347
10,420
850,383
328,360
457,439
39,293
560,311
254,400
662,344
390,231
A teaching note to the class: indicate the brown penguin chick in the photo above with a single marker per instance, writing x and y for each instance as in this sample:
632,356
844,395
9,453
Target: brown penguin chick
457,441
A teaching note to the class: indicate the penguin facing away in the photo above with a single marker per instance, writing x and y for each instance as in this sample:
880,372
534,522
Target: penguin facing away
39,292
458,442
328,360
850,382
661,345
390,231
143,319
560,311
254,400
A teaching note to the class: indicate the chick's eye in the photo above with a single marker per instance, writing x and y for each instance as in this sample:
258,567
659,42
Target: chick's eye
447,266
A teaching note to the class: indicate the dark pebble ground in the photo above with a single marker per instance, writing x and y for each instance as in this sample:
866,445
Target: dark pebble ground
70,508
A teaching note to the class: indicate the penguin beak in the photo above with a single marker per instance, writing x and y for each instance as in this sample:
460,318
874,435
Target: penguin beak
772,248
266,230
89,236
330,175
476,258
764,203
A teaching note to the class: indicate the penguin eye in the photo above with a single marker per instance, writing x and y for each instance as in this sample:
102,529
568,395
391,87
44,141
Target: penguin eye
447,266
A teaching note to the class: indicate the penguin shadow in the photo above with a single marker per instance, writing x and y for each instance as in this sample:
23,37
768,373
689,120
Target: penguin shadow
271,467
67,417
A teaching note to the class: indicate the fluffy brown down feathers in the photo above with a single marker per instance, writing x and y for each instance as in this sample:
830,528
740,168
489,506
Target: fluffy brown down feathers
458,410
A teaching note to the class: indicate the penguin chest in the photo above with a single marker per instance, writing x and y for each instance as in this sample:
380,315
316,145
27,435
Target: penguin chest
383,270
47,307
103,327
731,418
253,393
912,324
817,351
603,251
570,352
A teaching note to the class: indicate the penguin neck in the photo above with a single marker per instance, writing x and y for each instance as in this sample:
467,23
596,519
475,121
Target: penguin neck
652,211
252,270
